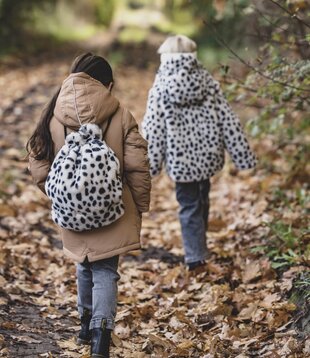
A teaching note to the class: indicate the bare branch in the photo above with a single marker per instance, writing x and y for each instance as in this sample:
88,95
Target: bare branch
240,84
234,79
273,24
300,40
293,15
249,65
259,37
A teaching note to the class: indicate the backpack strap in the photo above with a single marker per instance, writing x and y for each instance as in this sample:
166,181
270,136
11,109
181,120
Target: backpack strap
103,134
75,104
78,116
76,109
107,127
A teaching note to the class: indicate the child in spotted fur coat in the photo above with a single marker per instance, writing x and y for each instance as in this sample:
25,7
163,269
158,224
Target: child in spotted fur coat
188,124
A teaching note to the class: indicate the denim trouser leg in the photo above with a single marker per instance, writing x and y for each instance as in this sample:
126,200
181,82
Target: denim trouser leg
194,210
204,190
98,281
84,287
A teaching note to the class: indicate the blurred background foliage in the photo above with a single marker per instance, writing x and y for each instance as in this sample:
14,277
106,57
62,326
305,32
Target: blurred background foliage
73,19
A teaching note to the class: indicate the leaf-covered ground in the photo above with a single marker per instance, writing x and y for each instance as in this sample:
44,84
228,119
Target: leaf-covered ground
239,307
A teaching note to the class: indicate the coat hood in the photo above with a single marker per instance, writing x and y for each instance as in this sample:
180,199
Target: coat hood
183,79
84,99
190,135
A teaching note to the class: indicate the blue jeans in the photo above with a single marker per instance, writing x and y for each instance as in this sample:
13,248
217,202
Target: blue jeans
97,290
194,211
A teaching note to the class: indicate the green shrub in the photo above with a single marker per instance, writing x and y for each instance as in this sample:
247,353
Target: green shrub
14,15
104,11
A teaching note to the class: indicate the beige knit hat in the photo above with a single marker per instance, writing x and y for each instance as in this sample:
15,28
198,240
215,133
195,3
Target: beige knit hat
177,44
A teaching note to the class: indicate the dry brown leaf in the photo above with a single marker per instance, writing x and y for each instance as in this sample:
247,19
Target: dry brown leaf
187,344
215,225
251,271
165,343
247,312
269,300
26,339
2,281
4,352
7,210
69,344
3,301
116,340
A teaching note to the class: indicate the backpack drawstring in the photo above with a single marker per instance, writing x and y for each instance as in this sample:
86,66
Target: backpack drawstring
75,104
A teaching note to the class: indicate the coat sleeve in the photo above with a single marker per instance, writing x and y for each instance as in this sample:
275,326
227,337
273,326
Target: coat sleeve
136,164
154,131
39,171
234,138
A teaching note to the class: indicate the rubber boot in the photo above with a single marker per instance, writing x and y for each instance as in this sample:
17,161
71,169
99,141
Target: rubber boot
100,341
84,336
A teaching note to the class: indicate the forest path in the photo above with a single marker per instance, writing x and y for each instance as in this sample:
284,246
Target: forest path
238,308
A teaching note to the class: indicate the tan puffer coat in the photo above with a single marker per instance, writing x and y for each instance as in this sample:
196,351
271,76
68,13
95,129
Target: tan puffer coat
95,104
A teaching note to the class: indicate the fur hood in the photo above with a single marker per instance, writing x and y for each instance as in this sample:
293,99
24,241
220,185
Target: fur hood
172,77
188,122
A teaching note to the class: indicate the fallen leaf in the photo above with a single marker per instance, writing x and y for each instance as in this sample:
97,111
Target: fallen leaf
26,339
251,272
6,210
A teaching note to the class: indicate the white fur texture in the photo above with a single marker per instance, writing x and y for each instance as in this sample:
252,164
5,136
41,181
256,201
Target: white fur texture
188,123
84,182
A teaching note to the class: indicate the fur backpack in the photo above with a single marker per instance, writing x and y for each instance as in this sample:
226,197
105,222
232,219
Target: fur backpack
84,182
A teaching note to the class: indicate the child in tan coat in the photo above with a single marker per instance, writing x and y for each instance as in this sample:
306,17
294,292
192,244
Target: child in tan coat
96,251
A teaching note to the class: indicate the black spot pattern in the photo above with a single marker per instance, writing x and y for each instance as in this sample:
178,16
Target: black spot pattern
73,182
188,123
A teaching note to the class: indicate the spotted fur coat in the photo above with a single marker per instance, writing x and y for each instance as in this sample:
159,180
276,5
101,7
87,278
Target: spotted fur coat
188,123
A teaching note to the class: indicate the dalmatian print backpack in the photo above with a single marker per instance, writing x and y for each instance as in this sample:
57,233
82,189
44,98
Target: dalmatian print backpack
84,183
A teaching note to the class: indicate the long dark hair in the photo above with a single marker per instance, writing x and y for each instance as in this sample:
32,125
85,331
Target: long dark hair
40,144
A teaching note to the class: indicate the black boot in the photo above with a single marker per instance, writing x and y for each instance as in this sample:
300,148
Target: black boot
100,341
85,333
194,265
